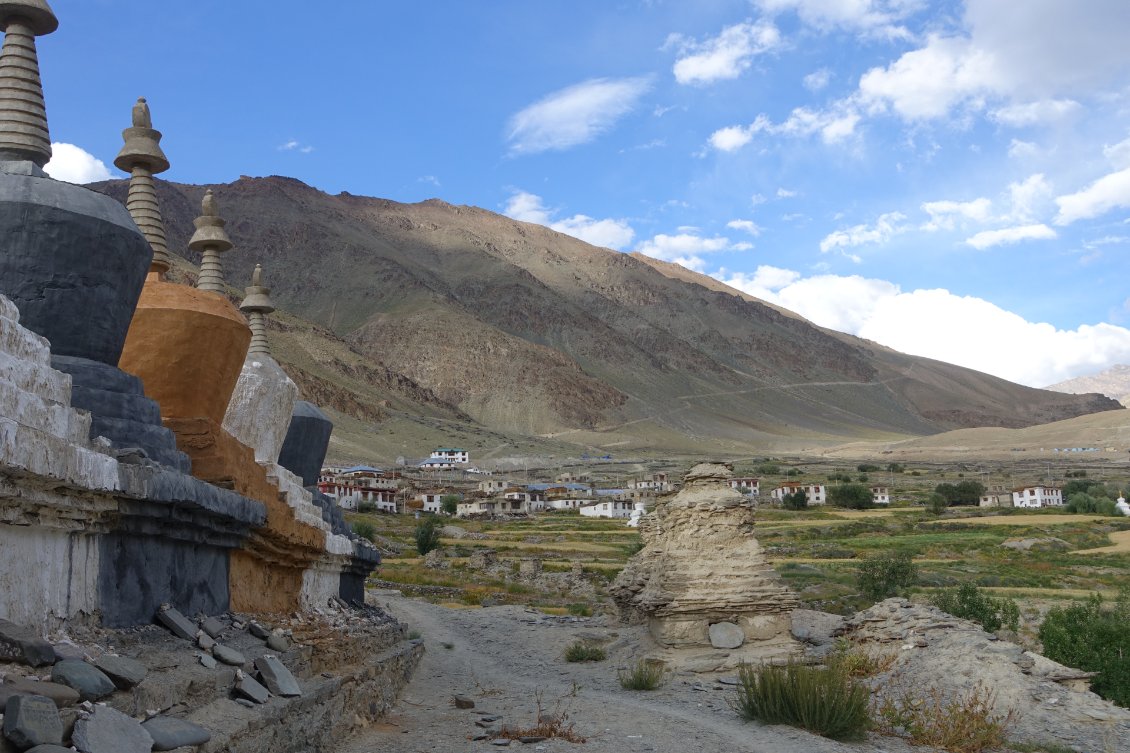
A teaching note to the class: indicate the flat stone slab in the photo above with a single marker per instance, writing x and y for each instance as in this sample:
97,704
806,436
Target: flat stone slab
123,671
110,731
258,631
278,643
206,642
31,720
19,644
213,627
49,749
249,689
170,733
726,635
90,682
62,695
228,655
177,623
207,661
277,677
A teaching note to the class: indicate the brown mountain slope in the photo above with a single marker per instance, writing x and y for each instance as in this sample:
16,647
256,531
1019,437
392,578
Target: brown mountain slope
1113,382
528,330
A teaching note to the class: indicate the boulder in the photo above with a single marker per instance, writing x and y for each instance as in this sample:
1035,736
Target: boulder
726,635
108,730
277,677
31,720
90,682
228,655
170,733
62,695
125,673
19,644
177,623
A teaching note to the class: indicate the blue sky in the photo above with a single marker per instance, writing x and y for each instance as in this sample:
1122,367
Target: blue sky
951,179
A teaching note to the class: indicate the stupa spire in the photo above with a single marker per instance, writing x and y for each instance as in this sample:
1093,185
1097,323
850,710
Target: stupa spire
23,116
257,305
211,240
142,158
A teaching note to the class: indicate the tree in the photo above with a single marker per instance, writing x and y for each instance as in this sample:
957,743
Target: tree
961,493
449,503
969,603
1095,639
795,501
886,575
854,496
937,504
427,536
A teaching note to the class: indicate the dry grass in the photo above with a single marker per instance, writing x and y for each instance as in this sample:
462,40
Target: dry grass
1121,545
966,724
1021,520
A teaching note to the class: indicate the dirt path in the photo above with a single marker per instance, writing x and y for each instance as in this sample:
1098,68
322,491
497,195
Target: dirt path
503,657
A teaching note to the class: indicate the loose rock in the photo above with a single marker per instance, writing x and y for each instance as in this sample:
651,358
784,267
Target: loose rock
110,731
213,627
19,644
277,677
462,702
32,720
90,682
726,635
124,672
228,655
62,695
278,643
258,631
247,687
170,733
176,622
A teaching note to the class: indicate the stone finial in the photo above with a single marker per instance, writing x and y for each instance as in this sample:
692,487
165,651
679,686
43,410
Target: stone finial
142,158
211,240
257,305
23,115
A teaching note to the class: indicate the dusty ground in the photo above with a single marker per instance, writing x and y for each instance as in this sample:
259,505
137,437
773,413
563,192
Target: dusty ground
503,657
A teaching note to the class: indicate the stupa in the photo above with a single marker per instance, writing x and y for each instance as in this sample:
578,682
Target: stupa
702,579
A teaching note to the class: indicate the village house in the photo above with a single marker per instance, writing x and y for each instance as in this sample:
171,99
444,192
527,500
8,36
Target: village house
656,482
880,495
452,454
996,496
494,485
359,485
432,500
746,485
814,493
524,500
610,508
1037,496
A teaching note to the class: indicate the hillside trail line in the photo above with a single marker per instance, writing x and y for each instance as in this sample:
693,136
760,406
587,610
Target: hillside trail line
506,658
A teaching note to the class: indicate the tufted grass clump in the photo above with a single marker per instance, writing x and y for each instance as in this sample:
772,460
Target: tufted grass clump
583,651
966,723
822,700
643,675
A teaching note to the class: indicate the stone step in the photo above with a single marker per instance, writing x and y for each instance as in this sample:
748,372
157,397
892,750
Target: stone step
96,375
32,377
23,343
107,404
159,443
29,449
30,409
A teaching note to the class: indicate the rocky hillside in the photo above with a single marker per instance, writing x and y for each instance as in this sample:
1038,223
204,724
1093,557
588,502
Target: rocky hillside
1113,382
525,330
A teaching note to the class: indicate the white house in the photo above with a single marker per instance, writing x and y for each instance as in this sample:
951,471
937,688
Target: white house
814,493
656,482
746,482
433,501
880,495
453,454
1037,496
494,485
610,508
996,496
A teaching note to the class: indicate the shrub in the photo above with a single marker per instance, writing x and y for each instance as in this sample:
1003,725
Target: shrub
365,529
582,651
427,536
965,724
961,493
795,501
449,503
1095,639
823,700
854,496
769,469
366,506
866,468
579,610
970,603
886,575
643,675
894,467
857,663
937,504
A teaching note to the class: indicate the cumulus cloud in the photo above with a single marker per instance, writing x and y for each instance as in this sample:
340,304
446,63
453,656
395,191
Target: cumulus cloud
609,233
73,164
574,115
875,17
834,126
681,245
1035,113
887,226
930,81
938,324
817,80
294,145
748,226
722,57
945,214
1108,192
1028,196
1009,235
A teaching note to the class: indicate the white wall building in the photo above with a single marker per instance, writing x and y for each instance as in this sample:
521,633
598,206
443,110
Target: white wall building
816,494
880,495
609,508
453,454
1037,496
753,485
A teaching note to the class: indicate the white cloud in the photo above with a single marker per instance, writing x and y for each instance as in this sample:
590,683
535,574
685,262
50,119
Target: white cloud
429,179
834,126
785,193
293,145
725,56
1118,154
875,17
682,246
1018,149
938,324
73,164
928,82
944,214
817,80
1035,113
574,115
748,226
888,225
1009,235
608,233
731,138
1108,192
1028,197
